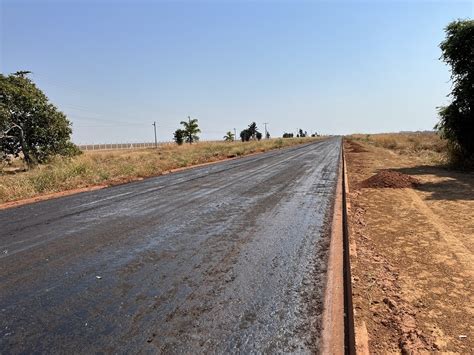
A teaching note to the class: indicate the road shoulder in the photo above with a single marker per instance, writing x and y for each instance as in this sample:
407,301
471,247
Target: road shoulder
413,262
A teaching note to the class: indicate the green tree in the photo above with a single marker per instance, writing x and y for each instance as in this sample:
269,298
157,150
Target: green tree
253,130
229,136
179,136
191,129
30,125
456,122
245,135
250,133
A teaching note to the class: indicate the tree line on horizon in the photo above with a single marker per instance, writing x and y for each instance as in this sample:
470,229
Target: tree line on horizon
300,134
190,130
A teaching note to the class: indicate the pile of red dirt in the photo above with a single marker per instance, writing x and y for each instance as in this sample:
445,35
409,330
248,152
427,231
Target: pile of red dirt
390,179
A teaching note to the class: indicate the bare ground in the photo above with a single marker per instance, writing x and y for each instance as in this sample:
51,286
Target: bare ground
412,254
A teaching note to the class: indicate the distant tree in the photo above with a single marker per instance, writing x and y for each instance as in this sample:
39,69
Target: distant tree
229,136
287,135
456,122
245,135
250,133
268,135
30,125
179,135
191,129
252,130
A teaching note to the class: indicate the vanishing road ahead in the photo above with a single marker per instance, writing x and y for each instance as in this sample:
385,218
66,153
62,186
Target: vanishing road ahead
223,258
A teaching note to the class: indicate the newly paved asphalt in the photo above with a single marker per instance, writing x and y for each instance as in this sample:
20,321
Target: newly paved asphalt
224,258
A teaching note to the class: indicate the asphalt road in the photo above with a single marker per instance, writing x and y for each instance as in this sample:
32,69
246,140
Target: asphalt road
224,258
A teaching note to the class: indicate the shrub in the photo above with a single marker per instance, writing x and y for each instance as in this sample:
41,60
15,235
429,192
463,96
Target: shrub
456,122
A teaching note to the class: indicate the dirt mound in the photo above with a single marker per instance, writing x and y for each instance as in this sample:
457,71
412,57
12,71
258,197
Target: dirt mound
390,179
356,147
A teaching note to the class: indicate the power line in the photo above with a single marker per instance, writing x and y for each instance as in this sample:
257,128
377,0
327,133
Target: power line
88,118
79,108
106,126
58,84
114,122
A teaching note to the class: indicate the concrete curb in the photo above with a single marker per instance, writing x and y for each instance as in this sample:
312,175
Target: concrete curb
349,333
338,334
332,335
360,334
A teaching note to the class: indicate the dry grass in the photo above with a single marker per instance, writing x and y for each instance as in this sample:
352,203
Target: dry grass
114,167
425,145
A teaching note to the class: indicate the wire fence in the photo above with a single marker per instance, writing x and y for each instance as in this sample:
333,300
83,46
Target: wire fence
117,146
142,145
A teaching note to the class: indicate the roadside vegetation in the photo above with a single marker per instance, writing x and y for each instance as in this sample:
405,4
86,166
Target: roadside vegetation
425,145
453,143
189,132
456,123
251,133
31,127
229,137
114,167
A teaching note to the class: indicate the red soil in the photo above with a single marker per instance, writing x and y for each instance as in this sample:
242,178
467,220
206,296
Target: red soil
390,179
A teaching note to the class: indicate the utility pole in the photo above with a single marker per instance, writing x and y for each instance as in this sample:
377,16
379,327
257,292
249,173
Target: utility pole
235,134
190,135
265,123
154,128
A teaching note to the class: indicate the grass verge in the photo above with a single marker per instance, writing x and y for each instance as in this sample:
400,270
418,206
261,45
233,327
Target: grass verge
120,166
425,145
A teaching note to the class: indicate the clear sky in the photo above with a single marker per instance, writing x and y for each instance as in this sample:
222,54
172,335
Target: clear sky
332,67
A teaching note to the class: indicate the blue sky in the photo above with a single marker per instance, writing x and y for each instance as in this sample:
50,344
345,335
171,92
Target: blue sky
332,67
